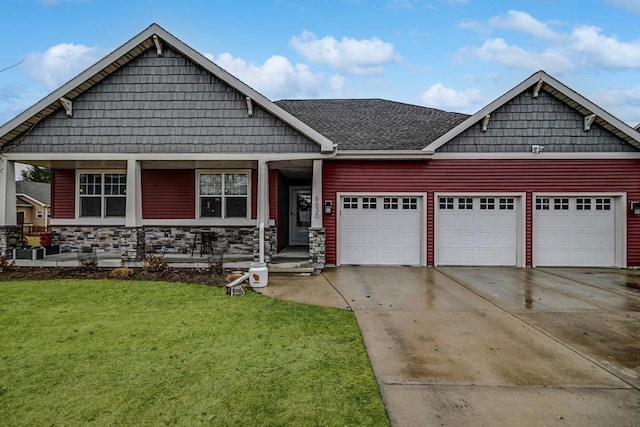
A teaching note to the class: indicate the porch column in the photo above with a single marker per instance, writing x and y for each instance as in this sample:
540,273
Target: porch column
8,215
316,231
132,239
134,194
262,216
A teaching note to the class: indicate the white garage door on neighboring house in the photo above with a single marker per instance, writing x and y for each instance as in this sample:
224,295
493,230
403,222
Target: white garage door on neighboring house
574,231
477,230
380,230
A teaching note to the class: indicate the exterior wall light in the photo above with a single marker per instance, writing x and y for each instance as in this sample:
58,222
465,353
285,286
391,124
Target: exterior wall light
635,208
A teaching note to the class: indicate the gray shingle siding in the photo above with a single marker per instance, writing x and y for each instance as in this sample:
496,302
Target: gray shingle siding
163,104
525,121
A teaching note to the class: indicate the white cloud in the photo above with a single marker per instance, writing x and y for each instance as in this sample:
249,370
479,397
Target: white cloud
366,56
599,50
440,96
523,22
624,101
629,5
276,78
498,51
60,63
336,84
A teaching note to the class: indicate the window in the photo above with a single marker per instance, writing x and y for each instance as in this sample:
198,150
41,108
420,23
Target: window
410,203
487,203
583,204
506,204
369,203
350,203
561,204
542,203
102,195
445,203
224,195
465,203
603,204
390,203
39,214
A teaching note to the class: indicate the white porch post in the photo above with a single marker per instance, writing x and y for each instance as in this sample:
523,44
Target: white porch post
8,215
316,195
263,194
134,194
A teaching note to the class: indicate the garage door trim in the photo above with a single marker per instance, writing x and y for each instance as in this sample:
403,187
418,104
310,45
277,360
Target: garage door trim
521,208
423,213
620,204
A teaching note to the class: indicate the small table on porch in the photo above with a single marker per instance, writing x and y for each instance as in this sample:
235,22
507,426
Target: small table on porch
206,241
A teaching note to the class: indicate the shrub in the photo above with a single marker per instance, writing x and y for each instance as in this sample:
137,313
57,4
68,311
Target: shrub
121,273
155,264
6,265
89,263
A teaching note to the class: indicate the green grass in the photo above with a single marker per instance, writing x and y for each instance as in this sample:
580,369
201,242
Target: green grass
111,352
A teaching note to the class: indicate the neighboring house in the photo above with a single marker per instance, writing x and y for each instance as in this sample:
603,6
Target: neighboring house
33,203
155,142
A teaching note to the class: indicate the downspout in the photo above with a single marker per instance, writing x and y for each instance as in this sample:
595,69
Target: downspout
263,196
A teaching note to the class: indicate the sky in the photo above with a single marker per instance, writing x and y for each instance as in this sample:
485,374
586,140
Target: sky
455,55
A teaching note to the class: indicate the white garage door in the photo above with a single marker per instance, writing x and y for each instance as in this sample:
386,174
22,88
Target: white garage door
380,230
574,231
476,231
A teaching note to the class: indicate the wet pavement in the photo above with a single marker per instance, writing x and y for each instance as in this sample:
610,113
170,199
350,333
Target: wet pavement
499,346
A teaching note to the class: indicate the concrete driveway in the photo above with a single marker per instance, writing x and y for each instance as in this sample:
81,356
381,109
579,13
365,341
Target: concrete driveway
500,346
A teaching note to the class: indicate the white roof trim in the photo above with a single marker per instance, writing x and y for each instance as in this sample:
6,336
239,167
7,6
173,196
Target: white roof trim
624,130
35,112
32,199
384,154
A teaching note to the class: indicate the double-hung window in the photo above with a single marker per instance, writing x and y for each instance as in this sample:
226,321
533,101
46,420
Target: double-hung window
223,194
102,194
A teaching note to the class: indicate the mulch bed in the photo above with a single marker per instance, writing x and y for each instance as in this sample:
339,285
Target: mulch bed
203,276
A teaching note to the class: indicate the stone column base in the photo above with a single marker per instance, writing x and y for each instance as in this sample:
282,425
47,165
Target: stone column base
317,247
9,237
270,243
132,244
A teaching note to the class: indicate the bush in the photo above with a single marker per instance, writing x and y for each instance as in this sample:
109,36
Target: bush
121,273
6,265
155,264
89,263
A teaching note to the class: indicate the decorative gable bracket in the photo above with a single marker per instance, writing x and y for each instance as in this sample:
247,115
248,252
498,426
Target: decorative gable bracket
537,87
485,122
68,106
158,43
588,121
249,106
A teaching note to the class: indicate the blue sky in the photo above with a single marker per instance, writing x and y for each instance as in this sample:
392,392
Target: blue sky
457,55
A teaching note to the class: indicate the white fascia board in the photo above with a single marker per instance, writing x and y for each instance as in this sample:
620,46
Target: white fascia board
634,136
383,155
27,157
431,148
540,156
44,205
325,144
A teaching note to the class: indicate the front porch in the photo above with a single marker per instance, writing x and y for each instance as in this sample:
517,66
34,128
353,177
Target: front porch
290,260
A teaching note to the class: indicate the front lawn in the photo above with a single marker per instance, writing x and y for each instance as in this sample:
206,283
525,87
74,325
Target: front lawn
109,352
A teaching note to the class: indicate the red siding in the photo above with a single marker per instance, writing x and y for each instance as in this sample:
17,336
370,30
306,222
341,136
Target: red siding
63,194
273,195
168,194
254,194
484,176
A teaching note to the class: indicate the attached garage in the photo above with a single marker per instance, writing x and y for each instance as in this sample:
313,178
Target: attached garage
577,231
381,229
478,230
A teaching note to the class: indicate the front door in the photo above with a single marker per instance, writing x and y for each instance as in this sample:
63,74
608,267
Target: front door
299,215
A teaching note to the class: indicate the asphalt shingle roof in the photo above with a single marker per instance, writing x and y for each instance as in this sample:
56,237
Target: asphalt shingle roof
373,124
36,190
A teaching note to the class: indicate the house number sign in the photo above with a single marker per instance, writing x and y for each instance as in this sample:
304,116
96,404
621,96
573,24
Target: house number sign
316,208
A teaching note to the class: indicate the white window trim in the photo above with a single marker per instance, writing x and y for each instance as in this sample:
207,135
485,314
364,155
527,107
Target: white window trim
222,220
520,206
39,214
620,206
102,220
423,218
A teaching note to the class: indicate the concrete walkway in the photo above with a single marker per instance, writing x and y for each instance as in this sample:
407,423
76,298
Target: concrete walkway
493,346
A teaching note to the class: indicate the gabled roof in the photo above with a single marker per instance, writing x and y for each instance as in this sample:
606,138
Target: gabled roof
37,191
373,124
25,121
560,91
